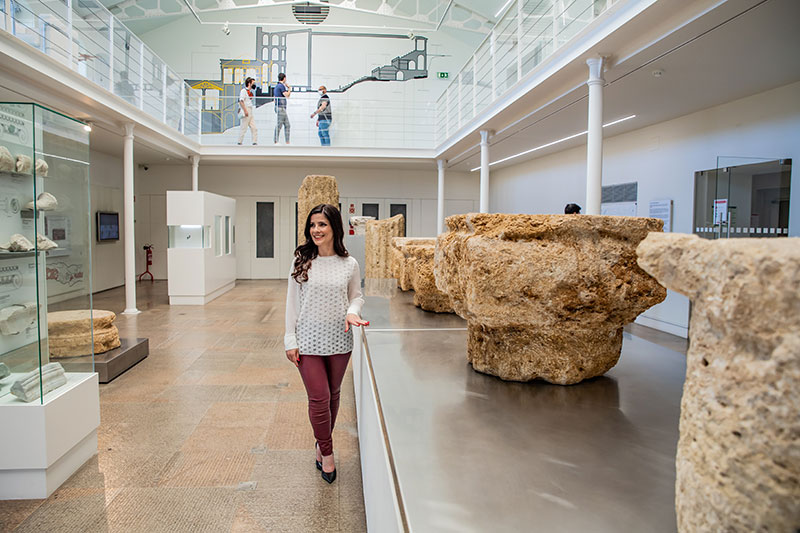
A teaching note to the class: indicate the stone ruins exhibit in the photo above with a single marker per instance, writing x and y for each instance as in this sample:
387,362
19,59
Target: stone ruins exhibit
315,190
545,296
71,332
412,266
738,461
378,245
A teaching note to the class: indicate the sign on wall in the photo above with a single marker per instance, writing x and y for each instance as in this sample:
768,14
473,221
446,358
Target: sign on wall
662,209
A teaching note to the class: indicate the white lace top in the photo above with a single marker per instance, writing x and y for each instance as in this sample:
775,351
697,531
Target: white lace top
316,309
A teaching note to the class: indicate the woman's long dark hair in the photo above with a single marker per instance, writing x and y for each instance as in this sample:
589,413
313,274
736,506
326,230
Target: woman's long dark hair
307,252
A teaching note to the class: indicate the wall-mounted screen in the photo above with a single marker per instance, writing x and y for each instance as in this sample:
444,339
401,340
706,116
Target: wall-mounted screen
107,226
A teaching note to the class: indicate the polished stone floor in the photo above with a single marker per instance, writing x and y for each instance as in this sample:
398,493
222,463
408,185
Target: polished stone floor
209,433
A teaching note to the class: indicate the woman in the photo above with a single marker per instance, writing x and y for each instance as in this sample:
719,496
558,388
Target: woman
322,304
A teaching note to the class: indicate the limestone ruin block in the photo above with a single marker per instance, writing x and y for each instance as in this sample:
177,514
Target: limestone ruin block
41,168
359,224
16,318
379,245
426,295
17,243
24,164
27,388
402,259
70,332
313,191
738,461
545,296
7,163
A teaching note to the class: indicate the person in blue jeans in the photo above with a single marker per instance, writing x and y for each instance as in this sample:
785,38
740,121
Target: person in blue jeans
281,92
324,115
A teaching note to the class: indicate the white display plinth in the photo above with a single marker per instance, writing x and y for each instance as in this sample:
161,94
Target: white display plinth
42,445
201,261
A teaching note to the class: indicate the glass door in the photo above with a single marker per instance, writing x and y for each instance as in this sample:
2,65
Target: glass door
743,197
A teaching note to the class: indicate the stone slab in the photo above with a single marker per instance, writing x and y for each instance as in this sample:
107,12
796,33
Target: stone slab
113,363
378,244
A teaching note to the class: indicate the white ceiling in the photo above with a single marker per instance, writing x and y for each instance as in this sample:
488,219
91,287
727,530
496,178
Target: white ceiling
731,59
473,15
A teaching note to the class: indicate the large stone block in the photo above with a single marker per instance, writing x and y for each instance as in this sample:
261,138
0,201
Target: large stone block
378,245
738,461
76,333
426,294
545,296
314,190
403,259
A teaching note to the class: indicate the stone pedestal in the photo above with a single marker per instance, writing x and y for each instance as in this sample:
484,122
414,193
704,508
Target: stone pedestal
545,296
378,245
70,333
738,462
314,190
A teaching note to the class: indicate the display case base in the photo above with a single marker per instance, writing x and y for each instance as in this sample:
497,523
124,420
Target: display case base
112,363
200,300
44,444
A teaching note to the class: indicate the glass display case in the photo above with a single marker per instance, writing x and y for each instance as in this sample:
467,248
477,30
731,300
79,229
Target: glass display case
189,236
45,255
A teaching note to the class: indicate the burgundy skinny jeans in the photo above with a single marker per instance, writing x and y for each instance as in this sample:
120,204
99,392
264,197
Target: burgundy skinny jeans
322,375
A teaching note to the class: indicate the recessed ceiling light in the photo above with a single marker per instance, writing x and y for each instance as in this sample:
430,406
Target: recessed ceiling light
87,127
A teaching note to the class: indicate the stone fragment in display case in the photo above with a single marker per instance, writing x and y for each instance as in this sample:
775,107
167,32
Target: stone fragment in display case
27,387
44,244
545,296
18,243
44,202
379,245
24,164
72,333
738,459
41,168
16,318
7,163
4,371
426,295
315,190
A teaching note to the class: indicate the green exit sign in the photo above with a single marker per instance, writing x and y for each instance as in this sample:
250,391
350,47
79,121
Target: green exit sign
444,75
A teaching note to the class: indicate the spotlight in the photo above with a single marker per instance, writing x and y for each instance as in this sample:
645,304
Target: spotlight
87,127
226,29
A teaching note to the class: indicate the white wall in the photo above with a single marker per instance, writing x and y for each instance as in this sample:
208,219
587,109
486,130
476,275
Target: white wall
663,159
108,261
282,182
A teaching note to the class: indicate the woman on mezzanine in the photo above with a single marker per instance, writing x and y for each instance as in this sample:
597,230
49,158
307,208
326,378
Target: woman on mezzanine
323,303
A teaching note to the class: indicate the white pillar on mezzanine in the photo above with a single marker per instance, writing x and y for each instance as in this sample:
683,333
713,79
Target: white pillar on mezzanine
484,197
440,198
195,159
594,140
130,235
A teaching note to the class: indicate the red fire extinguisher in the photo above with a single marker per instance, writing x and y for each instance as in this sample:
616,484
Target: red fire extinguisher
148,248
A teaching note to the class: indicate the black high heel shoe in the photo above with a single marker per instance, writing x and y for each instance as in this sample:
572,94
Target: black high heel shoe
318,463
329,476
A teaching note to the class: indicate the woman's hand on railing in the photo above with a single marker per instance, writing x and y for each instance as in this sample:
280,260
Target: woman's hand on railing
354,320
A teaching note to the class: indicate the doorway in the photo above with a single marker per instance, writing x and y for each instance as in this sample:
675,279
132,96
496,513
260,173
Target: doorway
257,237
743,197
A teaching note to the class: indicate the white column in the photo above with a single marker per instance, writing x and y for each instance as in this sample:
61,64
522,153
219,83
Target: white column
195,171
440,198
594,141
484,203
111,53
130,236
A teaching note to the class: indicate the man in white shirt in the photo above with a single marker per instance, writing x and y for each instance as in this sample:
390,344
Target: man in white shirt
246,110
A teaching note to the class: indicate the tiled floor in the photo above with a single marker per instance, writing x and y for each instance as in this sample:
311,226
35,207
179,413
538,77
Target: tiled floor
209,433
